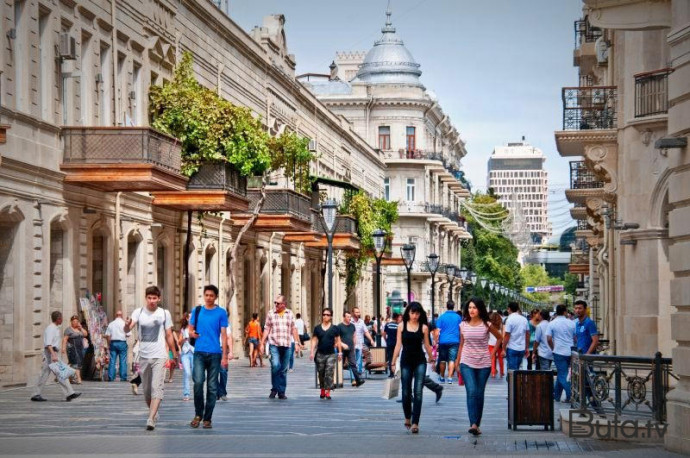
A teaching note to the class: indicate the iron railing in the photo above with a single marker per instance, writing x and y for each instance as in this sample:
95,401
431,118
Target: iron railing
121,145
282,202
410,206
623,385
651,92
343,224
434,208
582,177
219,176
591,107
585,32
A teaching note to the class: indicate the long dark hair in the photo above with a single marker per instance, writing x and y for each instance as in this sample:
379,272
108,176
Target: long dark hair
481,308
415,307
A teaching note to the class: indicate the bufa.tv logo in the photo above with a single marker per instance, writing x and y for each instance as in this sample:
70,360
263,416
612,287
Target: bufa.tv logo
583,425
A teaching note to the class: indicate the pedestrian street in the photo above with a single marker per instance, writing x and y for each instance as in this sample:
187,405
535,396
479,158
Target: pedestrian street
109,419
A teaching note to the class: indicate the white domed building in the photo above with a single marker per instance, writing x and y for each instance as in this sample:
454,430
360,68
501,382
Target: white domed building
381,94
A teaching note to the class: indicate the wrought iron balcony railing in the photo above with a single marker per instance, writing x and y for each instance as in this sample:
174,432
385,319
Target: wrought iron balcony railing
121,145
581,177
219,176
282,202
343,224
651,92
434,208
591,107
585,32
630,386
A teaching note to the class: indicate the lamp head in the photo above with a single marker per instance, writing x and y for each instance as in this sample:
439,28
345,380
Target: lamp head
450,271
483,282
379,241
433,262
473,278
408,251
329,209
463,273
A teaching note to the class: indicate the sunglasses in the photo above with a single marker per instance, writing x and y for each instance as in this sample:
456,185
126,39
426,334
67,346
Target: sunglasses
276,303
326,314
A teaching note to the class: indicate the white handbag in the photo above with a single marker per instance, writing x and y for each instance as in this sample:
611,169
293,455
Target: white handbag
61,370
391,388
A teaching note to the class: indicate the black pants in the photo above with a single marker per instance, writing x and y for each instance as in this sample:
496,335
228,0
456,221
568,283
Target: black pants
389,359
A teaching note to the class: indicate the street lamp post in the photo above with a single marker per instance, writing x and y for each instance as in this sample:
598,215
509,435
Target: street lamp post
433,268
451,272
379,246
408,251
329,211
473,279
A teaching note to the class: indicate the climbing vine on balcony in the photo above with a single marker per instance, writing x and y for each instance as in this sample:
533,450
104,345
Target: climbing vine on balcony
370,214
290,152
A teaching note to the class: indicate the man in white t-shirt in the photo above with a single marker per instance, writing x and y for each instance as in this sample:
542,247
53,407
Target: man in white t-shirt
301,330
516,338
52,338
154,330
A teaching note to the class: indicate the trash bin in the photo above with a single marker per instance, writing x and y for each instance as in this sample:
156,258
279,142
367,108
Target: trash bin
530,399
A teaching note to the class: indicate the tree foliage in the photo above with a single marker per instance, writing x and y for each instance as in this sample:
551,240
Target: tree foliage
536,275
290,152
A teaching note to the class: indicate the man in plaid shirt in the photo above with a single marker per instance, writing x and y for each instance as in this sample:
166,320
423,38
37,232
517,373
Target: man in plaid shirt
280,325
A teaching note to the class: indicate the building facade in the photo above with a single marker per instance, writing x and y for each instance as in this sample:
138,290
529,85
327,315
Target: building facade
516,174
380,92
626,126
75,79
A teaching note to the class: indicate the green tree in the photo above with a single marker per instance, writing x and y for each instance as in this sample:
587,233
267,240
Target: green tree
536,275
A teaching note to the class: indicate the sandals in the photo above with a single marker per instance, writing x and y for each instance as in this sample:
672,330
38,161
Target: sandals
474,431
408,425
195,422
207,424
414,429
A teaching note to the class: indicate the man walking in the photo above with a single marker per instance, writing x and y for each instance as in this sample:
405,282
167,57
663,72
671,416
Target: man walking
585,330
448,326
542,354
208,326
52,339
279,328
516,337
362,331
154,330
348,341
390,333
325,339
116,339
223,371
560,336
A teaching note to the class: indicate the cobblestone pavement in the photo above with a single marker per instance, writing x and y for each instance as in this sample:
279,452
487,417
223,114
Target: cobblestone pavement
109,419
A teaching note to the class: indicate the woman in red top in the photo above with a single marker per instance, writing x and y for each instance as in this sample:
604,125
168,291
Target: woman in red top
474,359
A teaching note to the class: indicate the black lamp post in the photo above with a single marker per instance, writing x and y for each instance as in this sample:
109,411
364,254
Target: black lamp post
329,210
433,260
408,251
473,279
451,272
379,246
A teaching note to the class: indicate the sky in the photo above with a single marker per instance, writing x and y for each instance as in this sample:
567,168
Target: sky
496,66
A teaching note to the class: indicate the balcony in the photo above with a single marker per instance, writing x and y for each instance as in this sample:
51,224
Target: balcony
651,93
583,183
587,108
284,210
214,187
345,237
122,159
585,33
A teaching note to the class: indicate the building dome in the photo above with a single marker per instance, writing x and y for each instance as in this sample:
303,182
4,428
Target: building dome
389,61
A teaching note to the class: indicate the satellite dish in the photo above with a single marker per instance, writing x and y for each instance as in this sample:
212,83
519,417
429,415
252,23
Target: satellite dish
601,48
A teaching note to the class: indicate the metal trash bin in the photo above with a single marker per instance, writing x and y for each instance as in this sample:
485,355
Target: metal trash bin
530,399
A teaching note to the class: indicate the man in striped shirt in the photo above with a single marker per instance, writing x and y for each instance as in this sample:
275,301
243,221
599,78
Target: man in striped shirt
280,326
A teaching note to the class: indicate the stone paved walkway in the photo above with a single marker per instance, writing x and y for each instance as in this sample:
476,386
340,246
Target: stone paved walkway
108,419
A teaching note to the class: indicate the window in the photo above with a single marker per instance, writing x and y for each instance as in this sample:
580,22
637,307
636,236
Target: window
387,189
137,118
105,88
86,84
21,55
384,137
410,189
410,141
46,59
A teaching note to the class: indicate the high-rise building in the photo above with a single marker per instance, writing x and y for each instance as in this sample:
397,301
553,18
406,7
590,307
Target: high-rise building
516,174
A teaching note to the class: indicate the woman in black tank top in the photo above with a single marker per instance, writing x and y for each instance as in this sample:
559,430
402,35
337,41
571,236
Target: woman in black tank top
413,337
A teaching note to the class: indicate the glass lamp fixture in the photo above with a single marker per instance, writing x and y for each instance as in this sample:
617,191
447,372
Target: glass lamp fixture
329,210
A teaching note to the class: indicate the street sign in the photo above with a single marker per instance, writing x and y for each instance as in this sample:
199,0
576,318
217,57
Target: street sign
545,289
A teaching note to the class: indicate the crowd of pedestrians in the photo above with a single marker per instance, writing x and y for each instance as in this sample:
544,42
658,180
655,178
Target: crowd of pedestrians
471,343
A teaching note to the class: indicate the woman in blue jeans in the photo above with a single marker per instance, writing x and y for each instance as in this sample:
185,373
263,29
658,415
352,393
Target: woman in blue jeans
474,358
186,357
413,337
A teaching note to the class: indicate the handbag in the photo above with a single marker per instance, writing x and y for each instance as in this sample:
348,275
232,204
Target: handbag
61,370
391,388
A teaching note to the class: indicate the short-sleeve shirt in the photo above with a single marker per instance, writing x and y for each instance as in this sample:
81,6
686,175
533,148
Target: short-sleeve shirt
253,329
280,328
116,330
51,336
360,327
209,326
584,330
561,331
448,325
475,345
152,327
391,330
543,350
326,338
347,333
299,324
517,325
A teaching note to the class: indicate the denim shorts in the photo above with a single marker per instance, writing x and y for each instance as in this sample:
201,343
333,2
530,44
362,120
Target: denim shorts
448,352
253,340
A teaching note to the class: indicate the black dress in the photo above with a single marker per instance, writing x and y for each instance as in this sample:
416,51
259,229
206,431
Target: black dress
75,347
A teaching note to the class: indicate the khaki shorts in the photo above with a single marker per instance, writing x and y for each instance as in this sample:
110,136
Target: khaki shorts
152,377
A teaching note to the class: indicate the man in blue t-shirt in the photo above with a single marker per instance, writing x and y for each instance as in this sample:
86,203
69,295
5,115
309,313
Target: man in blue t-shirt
585,330
208,325
448,326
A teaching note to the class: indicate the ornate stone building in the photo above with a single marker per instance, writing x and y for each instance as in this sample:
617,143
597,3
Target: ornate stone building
380,92
92,199
628,120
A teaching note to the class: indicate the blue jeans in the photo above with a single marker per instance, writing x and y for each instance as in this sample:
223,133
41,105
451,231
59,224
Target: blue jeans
514,358
280,360
222,382
412,408
475,384
187,360
562,383
206,367
118,348
544,363
292,355
358,358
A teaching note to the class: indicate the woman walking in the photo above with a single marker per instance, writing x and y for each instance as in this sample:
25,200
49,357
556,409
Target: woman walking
534,320
186,357
413,338
325,339
494,346
252,336
474,358
73,346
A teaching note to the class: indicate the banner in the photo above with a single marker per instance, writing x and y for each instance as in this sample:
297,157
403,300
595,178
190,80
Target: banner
545,289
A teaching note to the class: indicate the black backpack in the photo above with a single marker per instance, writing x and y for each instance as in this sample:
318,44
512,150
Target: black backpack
192,340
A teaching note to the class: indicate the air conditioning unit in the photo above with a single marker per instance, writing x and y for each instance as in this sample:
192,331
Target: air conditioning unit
68,47
312,146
